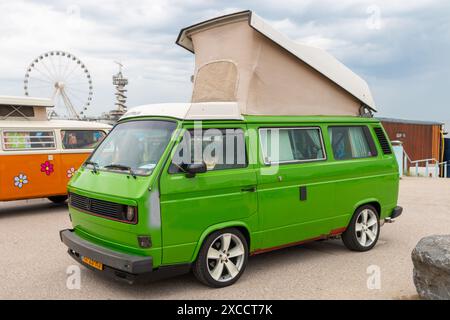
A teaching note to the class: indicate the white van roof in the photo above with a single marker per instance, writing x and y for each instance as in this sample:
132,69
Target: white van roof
26,101
188,111
53,124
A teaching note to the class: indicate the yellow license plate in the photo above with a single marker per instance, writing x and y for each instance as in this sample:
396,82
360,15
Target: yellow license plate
95,264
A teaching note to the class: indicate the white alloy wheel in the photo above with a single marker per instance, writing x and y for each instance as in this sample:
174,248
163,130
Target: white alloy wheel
366,227
225,257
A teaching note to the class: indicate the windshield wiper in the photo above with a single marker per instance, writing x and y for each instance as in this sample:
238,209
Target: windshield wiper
121,167
94,164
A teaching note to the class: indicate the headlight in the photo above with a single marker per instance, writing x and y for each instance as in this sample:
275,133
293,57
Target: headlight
131,213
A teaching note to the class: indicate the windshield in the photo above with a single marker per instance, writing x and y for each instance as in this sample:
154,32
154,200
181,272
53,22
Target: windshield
133,147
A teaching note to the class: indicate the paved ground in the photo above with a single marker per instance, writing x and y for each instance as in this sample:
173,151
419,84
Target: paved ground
33,262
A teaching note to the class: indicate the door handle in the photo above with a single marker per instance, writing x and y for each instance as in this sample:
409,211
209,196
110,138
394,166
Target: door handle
249,189
303,193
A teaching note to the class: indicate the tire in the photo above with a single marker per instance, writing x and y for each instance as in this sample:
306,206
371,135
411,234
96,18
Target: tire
215,272
362,233
58,199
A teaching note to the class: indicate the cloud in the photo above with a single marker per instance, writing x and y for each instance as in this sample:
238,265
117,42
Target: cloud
403,57
400,47
139,36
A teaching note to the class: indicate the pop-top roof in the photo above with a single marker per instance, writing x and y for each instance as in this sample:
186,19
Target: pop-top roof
316,58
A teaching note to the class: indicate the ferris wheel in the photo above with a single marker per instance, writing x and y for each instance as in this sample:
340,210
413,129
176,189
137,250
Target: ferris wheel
64,78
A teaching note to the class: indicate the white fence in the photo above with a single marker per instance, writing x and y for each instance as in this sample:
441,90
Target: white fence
424,168
420,168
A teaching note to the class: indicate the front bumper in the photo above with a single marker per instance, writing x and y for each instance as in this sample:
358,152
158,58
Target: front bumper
118,265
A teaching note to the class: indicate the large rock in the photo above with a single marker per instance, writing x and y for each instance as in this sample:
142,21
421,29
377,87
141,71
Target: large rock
431,258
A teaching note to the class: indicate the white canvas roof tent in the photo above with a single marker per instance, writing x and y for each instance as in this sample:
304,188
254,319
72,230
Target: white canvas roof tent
24,108
240,58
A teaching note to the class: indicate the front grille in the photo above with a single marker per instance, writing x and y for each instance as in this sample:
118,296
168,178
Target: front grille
384,143
97,207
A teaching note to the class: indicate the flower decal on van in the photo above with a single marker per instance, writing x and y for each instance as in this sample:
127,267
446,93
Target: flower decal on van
47,168
20,180
71,172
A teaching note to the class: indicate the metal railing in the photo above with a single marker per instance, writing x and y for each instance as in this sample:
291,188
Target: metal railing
431,166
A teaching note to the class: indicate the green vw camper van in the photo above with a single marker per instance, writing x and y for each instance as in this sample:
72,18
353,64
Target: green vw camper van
175,188
277,147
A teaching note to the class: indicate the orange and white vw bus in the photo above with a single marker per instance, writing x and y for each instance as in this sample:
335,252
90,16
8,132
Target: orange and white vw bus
39,156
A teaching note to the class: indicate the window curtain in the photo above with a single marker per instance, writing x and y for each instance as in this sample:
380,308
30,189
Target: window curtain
315,137
360,147
264,136
282,151
286,153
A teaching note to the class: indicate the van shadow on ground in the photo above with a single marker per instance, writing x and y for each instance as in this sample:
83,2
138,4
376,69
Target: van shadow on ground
274,261
23,209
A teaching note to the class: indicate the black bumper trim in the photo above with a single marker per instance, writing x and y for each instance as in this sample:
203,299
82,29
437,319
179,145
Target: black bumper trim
155,275
120,261
397,212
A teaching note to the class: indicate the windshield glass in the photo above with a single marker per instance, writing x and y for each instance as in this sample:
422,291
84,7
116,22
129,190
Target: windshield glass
133,147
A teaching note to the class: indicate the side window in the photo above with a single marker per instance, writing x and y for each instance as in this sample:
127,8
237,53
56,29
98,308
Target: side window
81,139
28,140
285,145
351,142
220,149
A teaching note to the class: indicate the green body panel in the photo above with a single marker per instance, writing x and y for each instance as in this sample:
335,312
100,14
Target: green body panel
124,189
179,212
191,205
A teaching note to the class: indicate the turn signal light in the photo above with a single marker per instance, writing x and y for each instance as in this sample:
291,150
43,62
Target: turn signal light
144,241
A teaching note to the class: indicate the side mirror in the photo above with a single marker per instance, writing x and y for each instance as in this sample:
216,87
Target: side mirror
194,168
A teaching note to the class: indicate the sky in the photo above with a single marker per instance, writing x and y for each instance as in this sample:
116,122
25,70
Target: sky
400,47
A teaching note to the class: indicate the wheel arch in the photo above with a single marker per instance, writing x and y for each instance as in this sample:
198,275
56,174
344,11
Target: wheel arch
373,202
241,226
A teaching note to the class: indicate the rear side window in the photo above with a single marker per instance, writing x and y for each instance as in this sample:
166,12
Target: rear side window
290,145
220,149
352,142
28,140
81,139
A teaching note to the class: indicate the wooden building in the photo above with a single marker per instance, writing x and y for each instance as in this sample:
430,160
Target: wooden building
421,139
